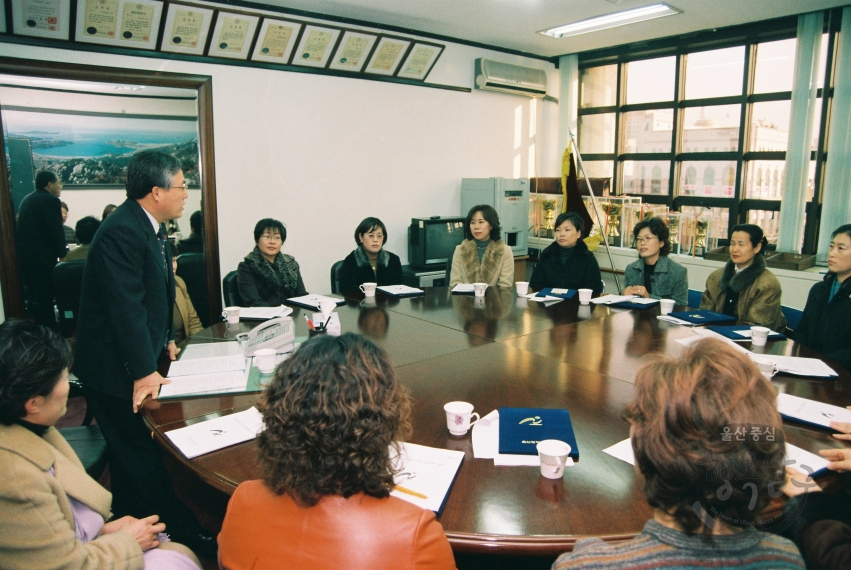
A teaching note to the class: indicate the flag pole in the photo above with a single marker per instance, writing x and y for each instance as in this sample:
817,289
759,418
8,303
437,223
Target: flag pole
596,206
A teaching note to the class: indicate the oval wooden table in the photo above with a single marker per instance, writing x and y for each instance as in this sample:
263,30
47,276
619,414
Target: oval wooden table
505,351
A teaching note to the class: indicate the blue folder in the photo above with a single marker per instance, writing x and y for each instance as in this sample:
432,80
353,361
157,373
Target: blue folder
628,305
702,317
730,331
548,291
520,429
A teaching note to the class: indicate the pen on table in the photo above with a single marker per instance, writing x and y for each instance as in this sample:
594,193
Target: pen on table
309,323
409,492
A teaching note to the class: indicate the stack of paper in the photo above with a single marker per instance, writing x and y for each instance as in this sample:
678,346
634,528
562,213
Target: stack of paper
465,288
400,290
810,411
209,349
314,301
802,366
263,313
612,299
425,474
195,376
218,433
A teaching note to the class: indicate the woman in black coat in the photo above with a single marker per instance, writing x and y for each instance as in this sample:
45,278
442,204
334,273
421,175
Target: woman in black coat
566,263
267,277
370,262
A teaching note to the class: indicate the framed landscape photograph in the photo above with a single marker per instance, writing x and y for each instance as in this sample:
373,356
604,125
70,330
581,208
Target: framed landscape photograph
316,45
186,29
232,35
42,18
420,60
276,40
125,23
353,51
387,55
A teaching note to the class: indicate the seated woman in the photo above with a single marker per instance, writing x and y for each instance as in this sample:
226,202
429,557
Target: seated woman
52,514
700,518
826,323
482,257
654,275
331,413
267,277
566,263
745,289
370,262
186,321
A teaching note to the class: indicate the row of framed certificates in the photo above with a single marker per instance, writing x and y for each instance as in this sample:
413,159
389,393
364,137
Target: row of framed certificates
204,30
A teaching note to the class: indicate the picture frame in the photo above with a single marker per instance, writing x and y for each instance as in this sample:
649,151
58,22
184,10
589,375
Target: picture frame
233,34
420,61
352,51
186,29
276,40
387,55
49,19
315,46
124,23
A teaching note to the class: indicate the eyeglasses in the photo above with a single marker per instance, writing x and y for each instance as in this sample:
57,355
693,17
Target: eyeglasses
184,187
645,239
271,237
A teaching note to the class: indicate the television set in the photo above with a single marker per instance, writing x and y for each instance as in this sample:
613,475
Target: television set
432,240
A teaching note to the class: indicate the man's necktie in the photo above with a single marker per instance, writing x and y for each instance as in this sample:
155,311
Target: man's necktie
163,239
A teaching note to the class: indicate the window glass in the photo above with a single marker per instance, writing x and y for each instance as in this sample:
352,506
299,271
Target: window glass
716,73
598,86
707,178
775,66
597,133
648,131
770,126
646,177
768,220
764,179
650,80
712,129
598,168
822,61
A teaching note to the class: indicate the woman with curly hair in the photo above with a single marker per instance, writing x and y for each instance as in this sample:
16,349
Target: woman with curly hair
704,484
332,413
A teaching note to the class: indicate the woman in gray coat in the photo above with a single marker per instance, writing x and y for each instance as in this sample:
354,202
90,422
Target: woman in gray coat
653,275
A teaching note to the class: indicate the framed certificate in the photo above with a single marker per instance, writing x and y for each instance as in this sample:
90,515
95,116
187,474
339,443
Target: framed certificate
420,60
186,29
232,35
352,51
42,18
125,23
316,45
276,40
387,55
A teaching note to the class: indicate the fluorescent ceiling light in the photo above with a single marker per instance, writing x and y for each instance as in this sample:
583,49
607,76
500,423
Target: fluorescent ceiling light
611,20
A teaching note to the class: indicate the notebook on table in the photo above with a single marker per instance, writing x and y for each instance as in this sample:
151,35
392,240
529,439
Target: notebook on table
312,301
637,303
520,430
400,291
701,317
556,292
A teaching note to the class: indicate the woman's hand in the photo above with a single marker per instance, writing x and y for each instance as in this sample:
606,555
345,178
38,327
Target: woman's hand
798,483
636,290
843,427
840,459
144,530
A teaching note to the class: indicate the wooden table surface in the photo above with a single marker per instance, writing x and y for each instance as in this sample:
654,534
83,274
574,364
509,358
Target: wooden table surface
505,351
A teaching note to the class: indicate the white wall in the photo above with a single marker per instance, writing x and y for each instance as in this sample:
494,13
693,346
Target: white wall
320,153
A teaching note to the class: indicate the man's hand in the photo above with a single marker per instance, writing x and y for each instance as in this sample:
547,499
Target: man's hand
840,459
147,386
843,427
173,351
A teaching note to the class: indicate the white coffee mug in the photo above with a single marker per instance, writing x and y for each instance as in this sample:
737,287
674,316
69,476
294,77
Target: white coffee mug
759,335
231,314
585,296
458,416
767,366
264,359
480,289
369,289
667,305
522,287
553,454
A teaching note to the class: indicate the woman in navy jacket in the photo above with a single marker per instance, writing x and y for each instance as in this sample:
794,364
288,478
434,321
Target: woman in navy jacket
370,262
566,263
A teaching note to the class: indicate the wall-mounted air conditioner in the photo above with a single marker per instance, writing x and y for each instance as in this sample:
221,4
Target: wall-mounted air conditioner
508,78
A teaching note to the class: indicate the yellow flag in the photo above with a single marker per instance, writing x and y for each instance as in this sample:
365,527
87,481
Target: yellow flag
566,161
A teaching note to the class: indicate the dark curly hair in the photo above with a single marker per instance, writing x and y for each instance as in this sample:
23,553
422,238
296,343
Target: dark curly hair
678,415
331,412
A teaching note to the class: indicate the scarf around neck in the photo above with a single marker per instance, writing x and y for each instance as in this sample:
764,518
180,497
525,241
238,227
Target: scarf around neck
362,258
284,264
741,280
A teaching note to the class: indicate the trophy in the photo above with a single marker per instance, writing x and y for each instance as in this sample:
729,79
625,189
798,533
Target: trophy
700,239
549,207
612,221
673,232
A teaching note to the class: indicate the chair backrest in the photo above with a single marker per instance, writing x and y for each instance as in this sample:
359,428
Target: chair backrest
192,268
694,298
67,284
793,316
230,289
449,266
336,272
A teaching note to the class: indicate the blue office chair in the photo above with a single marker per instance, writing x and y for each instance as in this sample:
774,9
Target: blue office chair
336,273
694,298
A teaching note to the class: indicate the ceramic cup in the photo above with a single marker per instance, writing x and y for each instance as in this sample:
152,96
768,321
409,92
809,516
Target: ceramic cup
585,296
231,314
480,289
458,416
522,287
264,359
369,289
759,335
765,365
667,305
553,454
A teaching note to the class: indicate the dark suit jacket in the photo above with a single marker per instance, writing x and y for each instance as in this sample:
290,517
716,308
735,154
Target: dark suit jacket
580,272
40,237
353,275
126,304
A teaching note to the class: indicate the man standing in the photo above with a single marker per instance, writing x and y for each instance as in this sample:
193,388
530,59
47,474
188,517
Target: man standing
125,326
40,242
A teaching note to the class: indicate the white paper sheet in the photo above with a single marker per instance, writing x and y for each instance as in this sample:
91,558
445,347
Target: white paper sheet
232,381
622,450
674,320
609,299
210,365
643,301
802,366
315,301
400,290
464,288
218,433
263,313
546,299
209,350
811,411
426,474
